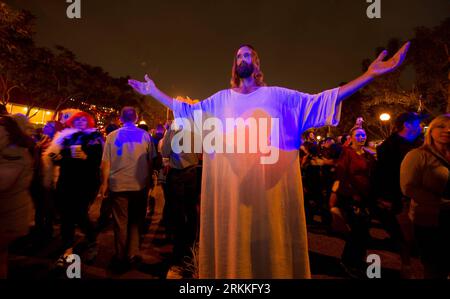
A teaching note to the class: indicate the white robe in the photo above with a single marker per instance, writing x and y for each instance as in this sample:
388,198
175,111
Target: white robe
252,221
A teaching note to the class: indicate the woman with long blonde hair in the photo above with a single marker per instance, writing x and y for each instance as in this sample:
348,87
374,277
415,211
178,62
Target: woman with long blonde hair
424,176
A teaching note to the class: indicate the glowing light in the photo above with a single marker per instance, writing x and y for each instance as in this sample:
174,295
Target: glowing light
385,117
319,138
142,122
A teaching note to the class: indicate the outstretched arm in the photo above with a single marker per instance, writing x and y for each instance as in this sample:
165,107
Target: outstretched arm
149,88
377,68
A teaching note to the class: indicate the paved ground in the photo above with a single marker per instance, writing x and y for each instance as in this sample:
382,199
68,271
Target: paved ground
28,262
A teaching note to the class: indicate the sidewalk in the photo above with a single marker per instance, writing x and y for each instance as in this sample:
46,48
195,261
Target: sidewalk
37,263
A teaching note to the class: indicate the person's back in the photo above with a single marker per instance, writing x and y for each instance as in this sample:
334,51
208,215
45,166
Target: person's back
126,174
16,168
15,177
129,149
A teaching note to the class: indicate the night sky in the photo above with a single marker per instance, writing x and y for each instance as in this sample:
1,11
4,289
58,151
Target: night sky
187,46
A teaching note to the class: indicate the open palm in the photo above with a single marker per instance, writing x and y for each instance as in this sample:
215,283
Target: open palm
144,88
380,67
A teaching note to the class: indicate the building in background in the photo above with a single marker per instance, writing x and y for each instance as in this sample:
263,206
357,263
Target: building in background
38,116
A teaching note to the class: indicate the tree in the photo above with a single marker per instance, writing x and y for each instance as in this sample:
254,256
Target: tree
66,74
430,56
36,81
54,78
16,32
384,95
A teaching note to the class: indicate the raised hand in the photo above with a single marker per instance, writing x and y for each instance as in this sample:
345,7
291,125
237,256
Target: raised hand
149,88
144,88
380,67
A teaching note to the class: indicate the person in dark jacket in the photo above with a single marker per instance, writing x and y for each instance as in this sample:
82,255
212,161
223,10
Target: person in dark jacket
391,207
78,152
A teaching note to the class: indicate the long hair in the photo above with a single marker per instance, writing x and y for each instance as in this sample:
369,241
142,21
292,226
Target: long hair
436,122
258,74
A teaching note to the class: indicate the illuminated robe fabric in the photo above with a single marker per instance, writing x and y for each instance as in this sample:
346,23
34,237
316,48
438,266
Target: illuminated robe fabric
252,219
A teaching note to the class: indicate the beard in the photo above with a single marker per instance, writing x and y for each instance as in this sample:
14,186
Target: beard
245,70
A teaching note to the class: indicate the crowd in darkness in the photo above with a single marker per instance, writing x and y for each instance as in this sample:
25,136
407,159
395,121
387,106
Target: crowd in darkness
58,171
402,184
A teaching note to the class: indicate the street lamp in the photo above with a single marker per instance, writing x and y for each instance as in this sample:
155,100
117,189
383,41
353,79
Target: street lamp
385,117
385,124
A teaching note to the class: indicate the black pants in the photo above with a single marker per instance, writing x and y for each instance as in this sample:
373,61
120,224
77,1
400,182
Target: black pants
182,189
74,205
44,212
434,247
355,249
166,214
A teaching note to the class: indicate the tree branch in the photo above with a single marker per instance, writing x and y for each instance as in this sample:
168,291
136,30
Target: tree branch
8,92
39,109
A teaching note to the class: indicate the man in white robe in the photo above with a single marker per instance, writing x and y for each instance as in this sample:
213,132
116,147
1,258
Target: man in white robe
252,221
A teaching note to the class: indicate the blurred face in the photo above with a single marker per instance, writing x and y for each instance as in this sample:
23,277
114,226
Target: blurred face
49,129
4,138
359,137
329,143
80,123
441,133
414,128
244,63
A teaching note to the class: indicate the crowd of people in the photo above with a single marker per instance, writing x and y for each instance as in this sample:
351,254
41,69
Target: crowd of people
58,174
403,185
248,216
58,171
